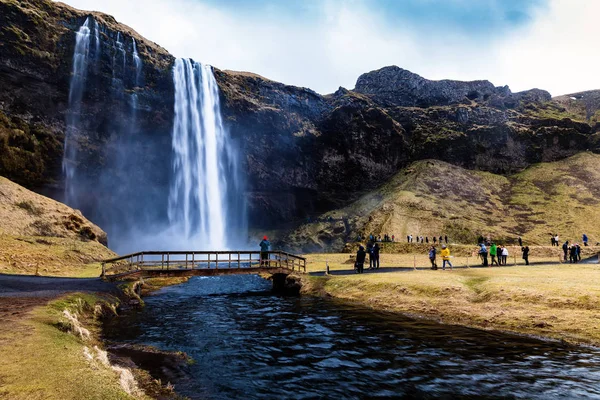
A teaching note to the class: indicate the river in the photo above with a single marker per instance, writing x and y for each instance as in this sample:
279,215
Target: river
249,344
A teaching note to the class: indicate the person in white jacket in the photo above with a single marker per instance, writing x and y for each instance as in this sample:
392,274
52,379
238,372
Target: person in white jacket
504,255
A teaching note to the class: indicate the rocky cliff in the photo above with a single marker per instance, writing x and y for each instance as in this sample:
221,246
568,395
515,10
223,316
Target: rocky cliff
303,153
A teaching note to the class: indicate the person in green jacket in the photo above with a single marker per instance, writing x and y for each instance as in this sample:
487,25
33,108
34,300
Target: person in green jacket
493,253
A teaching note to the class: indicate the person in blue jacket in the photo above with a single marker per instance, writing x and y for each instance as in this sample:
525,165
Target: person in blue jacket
265,246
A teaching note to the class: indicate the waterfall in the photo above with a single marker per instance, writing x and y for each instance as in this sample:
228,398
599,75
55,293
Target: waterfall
199,198
80,67
137,62
97,40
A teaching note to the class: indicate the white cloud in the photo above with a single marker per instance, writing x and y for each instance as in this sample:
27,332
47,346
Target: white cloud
555,52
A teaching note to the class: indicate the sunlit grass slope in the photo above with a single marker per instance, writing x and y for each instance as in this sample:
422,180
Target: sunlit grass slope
433,198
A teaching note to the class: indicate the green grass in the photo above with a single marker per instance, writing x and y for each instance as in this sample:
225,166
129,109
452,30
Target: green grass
38,360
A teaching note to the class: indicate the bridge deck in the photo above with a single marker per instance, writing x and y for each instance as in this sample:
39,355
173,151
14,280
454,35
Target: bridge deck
203,263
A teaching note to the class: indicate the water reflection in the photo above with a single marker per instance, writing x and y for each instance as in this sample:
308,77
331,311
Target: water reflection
248,344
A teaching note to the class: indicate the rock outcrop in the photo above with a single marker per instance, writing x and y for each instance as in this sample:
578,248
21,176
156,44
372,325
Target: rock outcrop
303,153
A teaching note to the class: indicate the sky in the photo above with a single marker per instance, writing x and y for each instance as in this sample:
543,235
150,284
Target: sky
325,44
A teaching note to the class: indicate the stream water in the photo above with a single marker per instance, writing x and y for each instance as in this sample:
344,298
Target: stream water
251,345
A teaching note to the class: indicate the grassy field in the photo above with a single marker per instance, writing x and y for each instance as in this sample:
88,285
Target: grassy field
559,301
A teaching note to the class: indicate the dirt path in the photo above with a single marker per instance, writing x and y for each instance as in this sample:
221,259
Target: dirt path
49,287
19,294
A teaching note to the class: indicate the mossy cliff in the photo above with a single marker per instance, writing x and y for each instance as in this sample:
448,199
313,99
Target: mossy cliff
303,153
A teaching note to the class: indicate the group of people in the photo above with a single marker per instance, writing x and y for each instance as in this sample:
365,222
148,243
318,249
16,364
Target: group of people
421,239
372,238
361,256
497,253
573,251
445,254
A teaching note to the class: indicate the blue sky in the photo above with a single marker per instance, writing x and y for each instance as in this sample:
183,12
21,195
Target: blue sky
323,44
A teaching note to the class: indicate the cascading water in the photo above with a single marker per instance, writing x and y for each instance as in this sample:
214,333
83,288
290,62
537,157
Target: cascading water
201,200
137,62
97,40
80,67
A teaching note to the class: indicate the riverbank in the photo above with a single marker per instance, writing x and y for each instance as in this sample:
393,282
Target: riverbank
557,301
51,347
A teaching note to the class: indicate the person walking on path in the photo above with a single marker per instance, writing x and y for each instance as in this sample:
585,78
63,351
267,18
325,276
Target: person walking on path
493,253
484,254
565,248
446,257
525,251
504,254
361,255
556,240
375,256
265,246
432,254
585,239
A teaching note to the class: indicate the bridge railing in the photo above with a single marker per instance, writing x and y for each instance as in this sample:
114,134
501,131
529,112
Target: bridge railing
178,260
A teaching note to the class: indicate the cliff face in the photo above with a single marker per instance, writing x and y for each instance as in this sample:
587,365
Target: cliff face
302,153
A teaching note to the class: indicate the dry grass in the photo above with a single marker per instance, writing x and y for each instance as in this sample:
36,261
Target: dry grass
556,301
433,198
51,256
26,213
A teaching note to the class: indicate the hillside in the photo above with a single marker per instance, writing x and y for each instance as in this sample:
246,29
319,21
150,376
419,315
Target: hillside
38,234
433,198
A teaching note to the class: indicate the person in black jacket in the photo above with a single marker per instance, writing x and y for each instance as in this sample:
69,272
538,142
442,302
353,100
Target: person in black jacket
525,251
361,255
375,256
573,254
566,249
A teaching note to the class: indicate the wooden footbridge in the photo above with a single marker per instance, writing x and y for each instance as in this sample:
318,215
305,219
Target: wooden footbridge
201,263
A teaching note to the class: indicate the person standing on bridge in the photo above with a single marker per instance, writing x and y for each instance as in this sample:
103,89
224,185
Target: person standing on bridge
265,246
